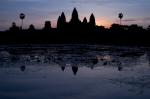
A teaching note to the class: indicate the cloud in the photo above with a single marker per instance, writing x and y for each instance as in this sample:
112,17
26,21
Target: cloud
22,0
104,2
146,19
129,20
137,19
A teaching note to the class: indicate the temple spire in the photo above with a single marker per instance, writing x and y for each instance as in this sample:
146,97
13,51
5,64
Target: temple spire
92,20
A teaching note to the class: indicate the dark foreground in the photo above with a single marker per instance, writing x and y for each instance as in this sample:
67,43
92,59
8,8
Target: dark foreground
74,71
110,37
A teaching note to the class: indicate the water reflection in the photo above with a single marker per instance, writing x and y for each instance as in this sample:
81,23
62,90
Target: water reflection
62,68
83,55
148,57
120,68
136,85
74,69
90,57
99,70
22,68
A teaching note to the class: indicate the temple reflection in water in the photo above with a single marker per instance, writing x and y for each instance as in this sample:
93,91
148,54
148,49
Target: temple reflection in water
75,70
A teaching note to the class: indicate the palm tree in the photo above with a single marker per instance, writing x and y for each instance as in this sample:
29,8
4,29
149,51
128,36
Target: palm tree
22,17
148,28
120,17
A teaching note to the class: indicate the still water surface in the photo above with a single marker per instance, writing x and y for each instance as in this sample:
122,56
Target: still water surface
74,72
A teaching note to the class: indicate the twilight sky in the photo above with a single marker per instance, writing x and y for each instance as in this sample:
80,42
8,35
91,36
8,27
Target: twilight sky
105,11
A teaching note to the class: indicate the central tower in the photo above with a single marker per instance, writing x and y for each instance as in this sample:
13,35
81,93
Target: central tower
75,17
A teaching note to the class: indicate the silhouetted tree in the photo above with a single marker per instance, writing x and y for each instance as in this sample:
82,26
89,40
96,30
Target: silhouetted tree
92,20
14,27
101,28
148,28
47,26
22,17
135,28
120,15
31,27
115,27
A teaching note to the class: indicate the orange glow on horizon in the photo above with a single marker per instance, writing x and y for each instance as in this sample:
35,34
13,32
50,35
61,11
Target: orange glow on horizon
99,21
103,22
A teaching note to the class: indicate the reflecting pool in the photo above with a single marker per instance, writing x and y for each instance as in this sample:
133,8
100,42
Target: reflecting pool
77,71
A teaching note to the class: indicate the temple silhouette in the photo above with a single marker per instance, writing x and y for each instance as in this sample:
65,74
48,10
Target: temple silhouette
77,31
75,24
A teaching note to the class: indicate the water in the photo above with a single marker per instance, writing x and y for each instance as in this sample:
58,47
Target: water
74,72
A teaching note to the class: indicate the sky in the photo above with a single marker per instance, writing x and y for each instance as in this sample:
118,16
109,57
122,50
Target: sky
105,11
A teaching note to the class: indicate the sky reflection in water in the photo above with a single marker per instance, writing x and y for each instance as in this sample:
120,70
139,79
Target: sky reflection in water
74,72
